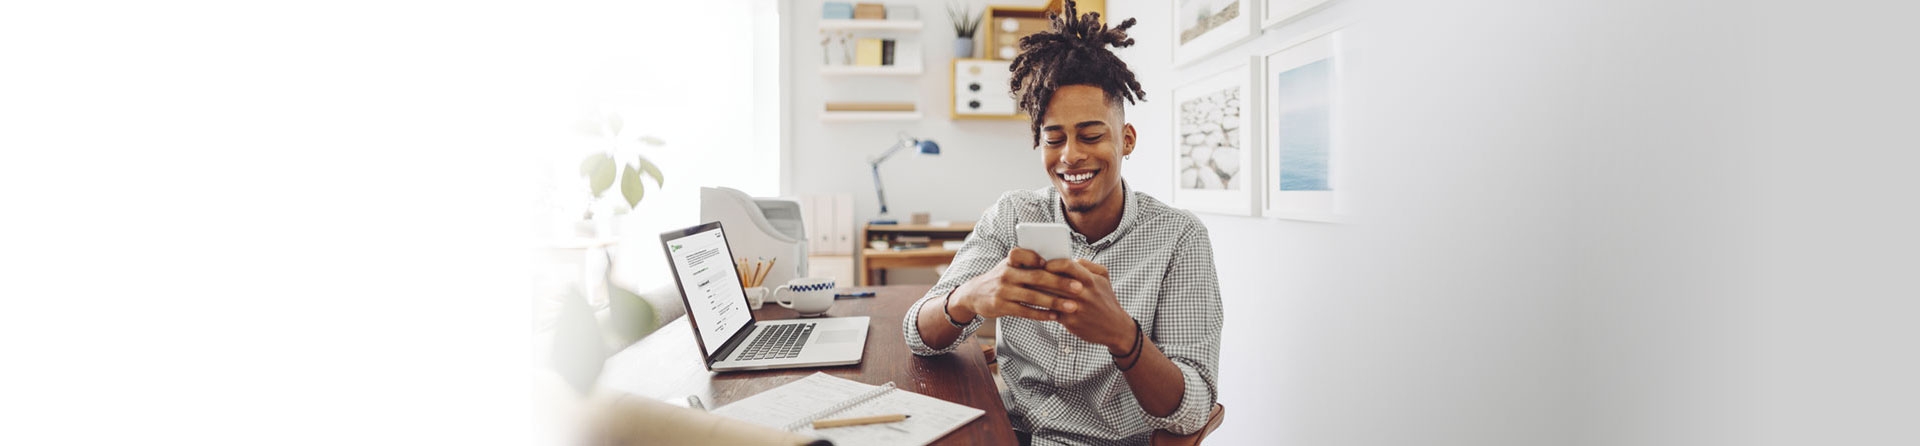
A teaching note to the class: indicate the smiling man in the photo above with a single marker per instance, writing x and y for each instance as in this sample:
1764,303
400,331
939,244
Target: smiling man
1122,339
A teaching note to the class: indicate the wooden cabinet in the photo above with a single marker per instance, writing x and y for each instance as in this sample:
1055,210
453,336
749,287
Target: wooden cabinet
1003,26
982,90
875,261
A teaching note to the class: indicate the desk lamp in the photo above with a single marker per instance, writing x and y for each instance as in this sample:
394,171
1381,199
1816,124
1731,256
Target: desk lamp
925,147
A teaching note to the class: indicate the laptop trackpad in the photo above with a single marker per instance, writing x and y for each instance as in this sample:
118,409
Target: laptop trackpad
839,336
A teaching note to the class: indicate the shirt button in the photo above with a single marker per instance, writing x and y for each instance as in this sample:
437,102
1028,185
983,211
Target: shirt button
1066,350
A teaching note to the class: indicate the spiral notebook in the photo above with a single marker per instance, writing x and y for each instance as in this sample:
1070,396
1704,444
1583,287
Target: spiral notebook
795,406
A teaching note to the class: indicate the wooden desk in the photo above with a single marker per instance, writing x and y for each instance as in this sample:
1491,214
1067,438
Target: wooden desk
874,262
667,366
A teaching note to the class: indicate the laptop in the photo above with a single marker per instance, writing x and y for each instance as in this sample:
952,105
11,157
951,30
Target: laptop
729,335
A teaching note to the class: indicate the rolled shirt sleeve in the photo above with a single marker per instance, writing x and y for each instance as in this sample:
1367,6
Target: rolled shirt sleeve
983,249
1187,329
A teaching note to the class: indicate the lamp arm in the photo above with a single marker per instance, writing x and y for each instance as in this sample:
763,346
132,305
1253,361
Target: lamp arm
902,144
878,189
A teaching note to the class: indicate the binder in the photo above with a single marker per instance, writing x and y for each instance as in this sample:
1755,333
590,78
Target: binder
822,234
843,225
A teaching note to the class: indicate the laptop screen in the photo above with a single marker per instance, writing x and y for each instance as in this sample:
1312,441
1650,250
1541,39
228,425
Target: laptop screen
711,285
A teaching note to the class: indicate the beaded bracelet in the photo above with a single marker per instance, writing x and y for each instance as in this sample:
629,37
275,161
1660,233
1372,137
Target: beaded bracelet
945,301
1139,339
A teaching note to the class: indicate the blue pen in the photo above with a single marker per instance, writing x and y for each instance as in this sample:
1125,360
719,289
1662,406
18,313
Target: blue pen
853,295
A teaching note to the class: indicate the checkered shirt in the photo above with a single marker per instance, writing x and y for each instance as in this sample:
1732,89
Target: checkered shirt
1067,390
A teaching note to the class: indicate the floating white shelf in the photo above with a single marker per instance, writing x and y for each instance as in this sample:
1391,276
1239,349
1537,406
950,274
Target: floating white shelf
868,70
871,25
847,116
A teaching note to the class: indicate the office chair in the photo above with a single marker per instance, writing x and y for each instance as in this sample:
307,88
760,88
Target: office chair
1168,438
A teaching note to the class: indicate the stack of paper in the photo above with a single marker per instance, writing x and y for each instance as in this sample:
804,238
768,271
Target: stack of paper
821,396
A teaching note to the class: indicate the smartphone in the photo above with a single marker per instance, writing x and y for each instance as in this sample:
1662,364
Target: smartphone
1051,240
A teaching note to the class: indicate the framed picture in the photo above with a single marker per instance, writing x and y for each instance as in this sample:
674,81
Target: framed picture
1216,167
1204,27
1276,12
1303,149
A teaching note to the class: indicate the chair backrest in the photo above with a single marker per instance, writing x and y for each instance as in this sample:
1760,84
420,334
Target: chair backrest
753,235
1165,438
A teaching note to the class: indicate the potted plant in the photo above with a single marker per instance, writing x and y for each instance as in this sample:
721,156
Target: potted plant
621,163
965,22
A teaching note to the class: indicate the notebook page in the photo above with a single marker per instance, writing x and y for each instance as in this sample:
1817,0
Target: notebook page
931,418
780,406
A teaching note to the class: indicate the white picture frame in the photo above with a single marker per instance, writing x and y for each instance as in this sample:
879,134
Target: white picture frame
1278,12
1210,37
1216,163
1303,150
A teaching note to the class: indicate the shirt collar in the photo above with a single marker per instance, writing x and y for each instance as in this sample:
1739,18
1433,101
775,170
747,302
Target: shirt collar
1129,211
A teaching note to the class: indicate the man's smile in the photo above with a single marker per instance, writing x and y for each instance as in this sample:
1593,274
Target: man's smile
1078,178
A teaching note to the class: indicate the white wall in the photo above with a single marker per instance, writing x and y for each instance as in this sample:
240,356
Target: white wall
715,104
1544,239
975,158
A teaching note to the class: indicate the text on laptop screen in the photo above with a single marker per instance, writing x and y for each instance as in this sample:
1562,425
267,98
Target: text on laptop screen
712,286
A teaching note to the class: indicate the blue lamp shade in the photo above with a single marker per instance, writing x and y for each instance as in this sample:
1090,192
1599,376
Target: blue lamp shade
927,147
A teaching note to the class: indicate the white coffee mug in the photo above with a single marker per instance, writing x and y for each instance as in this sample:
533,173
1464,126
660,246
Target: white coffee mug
757,297
809,296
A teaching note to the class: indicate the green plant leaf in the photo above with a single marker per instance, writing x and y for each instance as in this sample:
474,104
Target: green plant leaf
598,168
653,171
652,141
613,125
631,187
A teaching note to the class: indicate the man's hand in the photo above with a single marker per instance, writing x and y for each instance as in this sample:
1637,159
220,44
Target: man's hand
1015,288
1098,317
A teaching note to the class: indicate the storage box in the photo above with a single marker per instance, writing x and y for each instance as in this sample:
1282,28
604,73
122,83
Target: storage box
869,11
836,10
902,11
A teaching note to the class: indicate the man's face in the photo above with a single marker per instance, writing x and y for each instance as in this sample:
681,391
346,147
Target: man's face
1082,139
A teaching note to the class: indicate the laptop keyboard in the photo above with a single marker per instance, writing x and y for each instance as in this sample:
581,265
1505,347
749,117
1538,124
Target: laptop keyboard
778,341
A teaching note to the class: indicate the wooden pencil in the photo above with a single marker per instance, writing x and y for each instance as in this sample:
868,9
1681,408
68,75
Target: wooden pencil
890,418
741,271
763,274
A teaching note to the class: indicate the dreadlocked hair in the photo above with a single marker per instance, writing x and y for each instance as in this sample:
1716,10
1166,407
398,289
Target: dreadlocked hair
1072,52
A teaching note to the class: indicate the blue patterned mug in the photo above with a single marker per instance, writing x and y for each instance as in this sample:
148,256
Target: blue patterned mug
810,296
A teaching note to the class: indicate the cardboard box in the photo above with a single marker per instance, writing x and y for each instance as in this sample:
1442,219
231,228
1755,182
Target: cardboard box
869,11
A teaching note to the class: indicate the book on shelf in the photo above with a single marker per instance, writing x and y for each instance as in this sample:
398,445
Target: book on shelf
886,52
866,52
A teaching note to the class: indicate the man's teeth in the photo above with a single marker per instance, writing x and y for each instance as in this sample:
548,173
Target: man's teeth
1075,178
